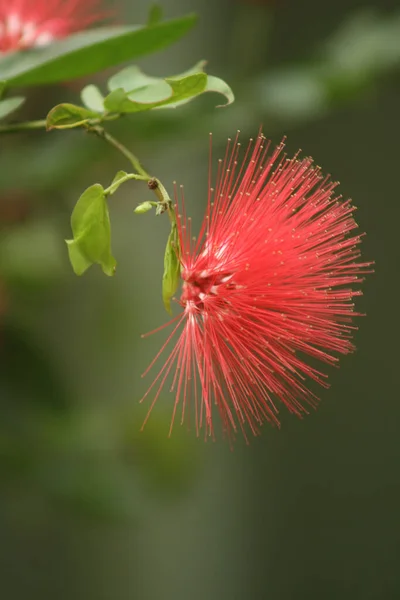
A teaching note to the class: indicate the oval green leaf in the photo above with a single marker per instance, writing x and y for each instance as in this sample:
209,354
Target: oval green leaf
132,91
92,98
90,223
157,95
67,116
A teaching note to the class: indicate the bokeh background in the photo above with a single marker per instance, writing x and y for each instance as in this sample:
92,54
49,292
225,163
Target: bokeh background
90,507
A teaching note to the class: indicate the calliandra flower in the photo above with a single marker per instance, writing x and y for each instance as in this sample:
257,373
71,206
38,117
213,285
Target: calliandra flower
268,282
29,23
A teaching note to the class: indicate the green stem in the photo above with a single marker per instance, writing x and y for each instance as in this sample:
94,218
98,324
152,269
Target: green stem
27,126
126,177
164,200
121,148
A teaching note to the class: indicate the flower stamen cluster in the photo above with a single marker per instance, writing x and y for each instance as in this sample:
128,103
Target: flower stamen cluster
270,280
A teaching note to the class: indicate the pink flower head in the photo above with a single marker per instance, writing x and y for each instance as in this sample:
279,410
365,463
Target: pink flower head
28,23
268,282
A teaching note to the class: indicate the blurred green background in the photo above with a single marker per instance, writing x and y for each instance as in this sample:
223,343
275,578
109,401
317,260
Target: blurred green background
90,507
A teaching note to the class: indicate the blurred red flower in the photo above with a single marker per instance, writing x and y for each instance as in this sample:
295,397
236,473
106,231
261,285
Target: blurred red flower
268,281
27,23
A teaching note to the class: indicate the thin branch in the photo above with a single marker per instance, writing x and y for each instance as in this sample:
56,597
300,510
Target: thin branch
27,126
121,148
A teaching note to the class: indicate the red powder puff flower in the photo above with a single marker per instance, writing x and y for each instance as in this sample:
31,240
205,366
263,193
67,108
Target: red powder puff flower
27,23
268,281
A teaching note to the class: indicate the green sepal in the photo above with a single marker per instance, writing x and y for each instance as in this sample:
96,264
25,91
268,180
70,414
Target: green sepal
172,267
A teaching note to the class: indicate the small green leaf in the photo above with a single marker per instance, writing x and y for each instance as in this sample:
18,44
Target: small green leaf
8,105
3,85
78,260
133,91
129,79
215,84
172,267
90,224
92,98
67,116
157,95
116,101
186,87
116,182
155,14
88,52
143,208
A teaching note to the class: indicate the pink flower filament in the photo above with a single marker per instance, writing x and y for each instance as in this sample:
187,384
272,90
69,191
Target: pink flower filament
269,280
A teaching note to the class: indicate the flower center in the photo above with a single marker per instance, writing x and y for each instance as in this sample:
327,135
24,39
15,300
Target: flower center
199,287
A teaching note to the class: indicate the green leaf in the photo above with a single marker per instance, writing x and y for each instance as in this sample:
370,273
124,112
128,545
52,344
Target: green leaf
90,224
188,86
155,14
9,105
80,263
143,208
129,79
159,94
134,91
89,52
67,116
116,182
92,98
172,267
214,84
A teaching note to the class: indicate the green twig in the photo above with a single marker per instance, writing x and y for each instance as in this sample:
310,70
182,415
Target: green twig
121,148
127,177
27,126
164,201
